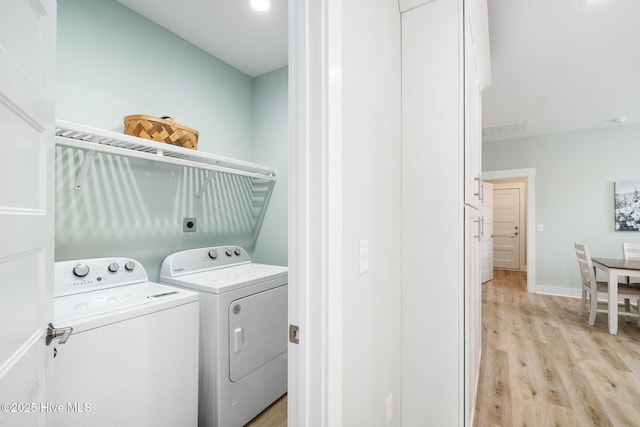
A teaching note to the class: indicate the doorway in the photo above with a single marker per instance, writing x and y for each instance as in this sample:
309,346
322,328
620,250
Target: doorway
527,175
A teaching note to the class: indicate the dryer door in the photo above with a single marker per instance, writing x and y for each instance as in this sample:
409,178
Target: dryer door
257,330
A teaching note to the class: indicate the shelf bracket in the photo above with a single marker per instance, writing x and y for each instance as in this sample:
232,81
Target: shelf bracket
84,168
205,184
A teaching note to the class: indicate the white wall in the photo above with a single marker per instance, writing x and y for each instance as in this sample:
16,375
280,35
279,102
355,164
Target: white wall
432,216
575,174
371,210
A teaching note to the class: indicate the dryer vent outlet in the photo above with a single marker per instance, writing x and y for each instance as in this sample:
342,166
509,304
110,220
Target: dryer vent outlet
189,224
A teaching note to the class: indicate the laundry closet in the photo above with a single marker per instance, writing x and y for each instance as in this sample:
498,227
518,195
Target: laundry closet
200,212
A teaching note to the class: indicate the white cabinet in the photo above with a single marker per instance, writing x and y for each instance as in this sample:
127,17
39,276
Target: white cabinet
441,128
473,197
472,120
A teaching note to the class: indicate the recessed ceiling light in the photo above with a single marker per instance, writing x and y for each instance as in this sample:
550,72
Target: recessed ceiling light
261,5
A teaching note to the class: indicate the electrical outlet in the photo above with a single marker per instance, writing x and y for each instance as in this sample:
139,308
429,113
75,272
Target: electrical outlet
189,224
389,408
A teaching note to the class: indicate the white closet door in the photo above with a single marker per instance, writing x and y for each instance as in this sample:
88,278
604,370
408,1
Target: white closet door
27,116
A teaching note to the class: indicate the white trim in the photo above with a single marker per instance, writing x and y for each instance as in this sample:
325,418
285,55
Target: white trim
558,291
530,175
333,208
315,212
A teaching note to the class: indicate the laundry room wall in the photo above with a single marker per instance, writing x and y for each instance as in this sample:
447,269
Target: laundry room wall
113,62
270,139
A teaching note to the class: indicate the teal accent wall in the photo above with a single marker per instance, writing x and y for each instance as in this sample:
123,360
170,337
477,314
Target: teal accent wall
574,187
113,62
270,139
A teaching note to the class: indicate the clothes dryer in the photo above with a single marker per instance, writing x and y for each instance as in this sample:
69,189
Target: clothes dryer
243,330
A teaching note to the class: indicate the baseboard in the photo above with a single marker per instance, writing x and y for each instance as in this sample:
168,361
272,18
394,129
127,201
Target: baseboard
558,291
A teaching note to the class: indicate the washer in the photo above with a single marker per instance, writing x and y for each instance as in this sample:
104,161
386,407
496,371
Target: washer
243,330
131,358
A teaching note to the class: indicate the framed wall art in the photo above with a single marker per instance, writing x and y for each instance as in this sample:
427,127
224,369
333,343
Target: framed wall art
627,202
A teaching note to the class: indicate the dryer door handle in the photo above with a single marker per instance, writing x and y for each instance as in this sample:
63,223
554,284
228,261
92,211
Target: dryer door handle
239,339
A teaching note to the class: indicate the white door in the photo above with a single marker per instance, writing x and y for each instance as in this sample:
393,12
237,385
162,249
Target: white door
486,236
27,116
506,228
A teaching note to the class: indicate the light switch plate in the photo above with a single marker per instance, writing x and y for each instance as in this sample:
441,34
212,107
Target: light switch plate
363,256
540,227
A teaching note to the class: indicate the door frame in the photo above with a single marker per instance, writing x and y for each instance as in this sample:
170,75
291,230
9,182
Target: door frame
315,212
530,175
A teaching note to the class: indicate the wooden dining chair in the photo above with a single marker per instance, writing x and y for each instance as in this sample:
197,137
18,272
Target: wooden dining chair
594,291
631,251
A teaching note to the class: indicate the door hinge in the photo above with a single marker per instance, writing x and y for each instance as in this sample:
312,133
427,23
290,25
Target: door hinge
61,333
294,334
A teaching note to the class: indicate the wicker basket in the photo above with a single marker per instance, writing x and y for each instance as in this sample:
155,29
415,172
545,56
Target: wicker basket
161,129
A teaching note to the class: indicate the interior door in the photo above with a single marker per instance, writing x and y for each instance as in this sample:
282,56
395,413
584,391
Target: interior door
506,228
486,236
27,116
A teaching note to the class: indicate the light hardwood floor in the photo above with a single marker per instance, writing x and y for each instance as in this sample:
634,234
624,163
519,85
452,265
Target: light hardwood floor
274,416
543,365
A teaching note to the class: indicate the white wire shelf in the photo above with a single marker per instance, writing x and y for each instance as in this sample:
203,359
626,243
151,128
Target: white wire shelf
87,138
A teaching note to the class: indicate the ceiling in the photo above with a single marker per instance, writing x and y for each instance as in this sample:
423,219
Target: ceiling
253,42
563,65
560,65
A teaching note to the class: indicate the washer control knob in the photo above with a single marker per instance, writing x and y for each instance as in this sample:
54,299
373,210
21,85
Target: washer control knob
213,254
81,270
130,266
113,267
228,252
237,252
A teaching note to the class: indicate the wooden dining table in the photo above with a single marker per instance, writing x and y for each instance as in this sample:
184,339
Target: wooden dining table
615,267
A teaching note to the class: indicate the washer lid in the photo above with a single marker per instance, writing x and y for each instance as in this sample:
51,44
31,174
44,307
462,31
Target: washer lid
228,279
89,310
